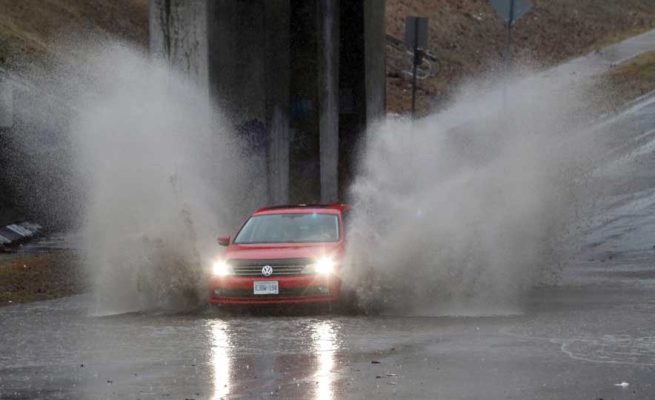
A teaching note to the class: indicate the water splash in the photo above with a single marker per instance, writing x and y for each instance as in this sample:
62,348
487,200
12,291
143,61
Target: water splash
160,175
463,211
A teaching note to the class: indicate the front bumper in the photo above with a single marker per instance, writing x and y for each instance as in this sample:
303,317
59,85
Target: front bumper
292,290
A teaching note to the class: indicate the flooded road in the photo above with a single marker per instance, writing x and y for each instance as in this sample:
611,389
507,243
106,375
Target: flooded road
588,337
576,341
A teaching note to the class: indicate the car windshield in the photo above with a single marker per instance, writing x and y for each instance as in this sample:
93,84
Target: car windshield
290,228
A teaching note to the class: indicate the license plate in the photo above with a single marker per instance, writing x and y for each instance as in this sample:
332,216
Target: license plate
266,287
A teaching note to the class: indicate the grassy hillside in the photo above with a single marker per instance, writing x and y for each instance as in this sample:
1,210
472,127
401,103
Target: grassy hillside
468,37
629,81
28,28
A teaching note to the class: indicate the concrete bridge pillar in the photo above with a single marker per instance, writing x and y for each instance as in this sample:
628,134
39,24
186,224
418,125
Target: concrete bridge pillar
249,78
308,75
328,98
178,34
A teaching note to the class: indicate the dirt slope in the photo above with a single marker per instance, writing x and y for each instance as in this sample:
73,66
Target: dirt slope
468,37
29,27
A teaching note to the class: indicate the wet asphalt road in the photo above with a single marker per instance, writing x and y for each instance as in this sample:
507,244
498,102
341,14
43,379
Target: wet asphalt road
576,342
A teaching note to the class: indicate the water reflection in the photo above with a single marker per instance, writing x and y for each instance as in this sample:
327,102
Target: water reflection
220,358
325,343
271,355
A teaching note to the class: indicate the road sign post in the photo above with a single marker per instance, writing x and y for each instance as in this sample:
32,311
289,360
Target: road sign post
510,11
416,38
510,22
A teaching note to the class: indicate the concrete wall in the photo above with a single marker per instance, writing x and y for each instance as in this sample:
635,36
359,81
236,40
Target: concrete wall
249,77
328,89
6,104
274,67
236,56
374,53
6,122
237,50
277,76
178,34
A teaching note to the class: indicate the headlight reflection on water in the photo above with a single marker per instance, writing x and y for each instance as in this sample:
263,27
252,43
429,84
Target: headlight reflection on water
220,359
324,340
324,344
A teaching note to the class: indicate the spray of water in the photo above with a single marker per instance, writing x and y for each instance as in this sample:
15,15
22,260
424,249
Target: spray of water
160,175
164,176
457,213
463,211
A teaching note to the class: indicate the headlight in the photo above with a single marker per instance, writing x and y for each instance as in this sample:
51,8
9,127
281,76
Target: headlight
221,268
322,266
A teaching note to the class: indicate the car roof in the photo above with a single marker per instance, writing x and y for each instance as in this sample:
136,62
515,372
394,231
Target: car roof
333,208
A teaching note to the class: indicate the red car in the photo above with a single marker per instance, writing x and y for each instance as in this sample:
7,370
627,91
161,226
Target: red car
284,254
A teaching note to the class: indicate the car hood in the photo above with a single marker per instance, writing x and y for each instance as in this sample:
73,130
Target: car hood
282,251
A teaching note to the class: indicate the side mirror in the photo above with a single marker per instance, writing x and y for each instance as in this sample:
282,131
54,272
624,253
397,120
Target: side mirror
223,240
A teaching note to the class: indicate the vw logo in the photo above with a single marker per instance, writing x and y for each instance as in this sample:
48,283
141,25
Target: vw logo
267,270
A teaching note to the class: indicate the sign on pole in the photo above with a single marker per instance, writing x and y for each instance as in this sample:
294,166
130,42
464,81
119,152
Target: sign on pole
511,10
416,38
416,33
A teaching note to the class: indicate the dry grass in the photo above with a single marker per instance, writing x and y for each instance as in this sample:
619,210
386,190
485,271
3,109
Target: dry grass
610,92
29,28
39,277
469,39
39,22
466,35
634,78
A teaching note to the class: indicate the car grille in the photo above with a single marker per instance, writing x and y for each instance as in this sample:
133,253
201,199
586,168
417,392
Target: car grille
293,267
